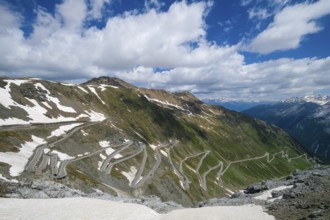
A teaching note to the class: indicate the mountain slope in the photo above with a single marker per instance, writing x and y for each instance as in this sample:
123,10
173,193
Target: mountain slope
125,140
306,119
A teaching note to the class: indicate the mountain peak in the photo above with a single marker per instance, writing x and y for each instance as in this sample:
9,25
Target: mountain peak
294,100
317,99
111,81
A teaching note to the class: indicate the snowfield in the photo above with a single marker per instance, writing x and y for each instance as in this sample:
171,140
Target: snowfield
18,160
86,208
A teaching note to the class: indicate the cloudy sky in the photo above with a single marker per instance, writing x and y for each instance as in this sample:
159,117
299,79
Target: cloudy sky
235,49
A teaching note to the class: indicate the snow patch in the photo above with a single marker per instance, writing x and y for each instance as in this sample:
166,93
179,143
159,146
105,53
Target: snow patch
104,144
84,133
18,160
105,209
109,150
36,113
62,156
267,195
164,153
8,180
130,174
153,146
60,106
54,99
5,96
104,87
82,89
68,84
164,103
97,95
47,105
73,208
96,116
63,129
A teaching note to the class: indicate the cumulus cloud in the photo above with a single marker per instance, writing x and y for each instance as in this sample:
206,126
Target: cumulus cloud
290,26
59,44
160,49
7,18
72,13
96,8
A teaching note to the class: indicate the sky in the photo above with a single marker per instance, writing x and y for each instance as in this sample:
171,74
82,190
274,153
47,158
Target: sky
266,50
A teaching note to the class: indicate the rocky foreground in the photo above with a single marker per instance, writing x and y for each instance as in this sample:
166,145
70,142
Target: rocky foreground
307,196
302,195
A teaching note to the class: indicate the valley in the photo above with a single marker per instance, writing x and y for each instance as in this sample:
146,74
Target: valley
307,119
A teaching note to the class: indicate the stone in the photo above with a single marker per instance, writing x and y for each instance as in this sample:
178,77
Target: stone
275,194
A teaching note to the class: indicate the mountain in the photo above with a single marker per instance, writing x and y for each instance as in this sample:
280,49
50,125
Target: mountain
306,119
108,135
235,105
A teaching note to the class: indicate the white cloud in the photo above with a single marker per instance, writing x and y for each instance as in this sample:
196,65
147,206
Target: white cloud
259,13
72,13
59,45
7,18
156,4
290,26
246,2
132,45
231,78
97,6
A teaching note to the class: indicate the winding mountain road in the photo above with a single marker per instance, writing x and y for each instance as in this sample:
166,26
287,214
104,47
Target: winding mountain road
32,164
40,160
62,169
222,170
136,183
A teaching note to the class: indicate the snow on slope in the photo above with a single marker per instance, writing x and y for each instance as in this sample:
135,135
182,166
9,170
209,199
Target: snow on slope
8,180
62,156
130,175
86,208
82,89
18,160
109,150
96,116
97,95
37,113
63,129
5,97
164,103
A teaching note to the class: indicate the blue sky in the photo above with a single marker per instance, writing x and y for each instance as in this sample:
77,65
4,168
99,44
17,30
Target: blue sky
227,49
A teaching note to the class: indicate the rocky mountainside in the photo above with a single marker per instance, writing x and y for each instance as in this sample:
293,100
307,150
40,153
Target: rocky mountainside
123,140
304,194
306,119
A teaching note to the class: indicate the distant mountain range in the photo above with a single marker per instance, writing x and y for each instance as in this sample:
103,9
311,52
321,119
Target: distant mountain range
109,135
306,119
235,105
